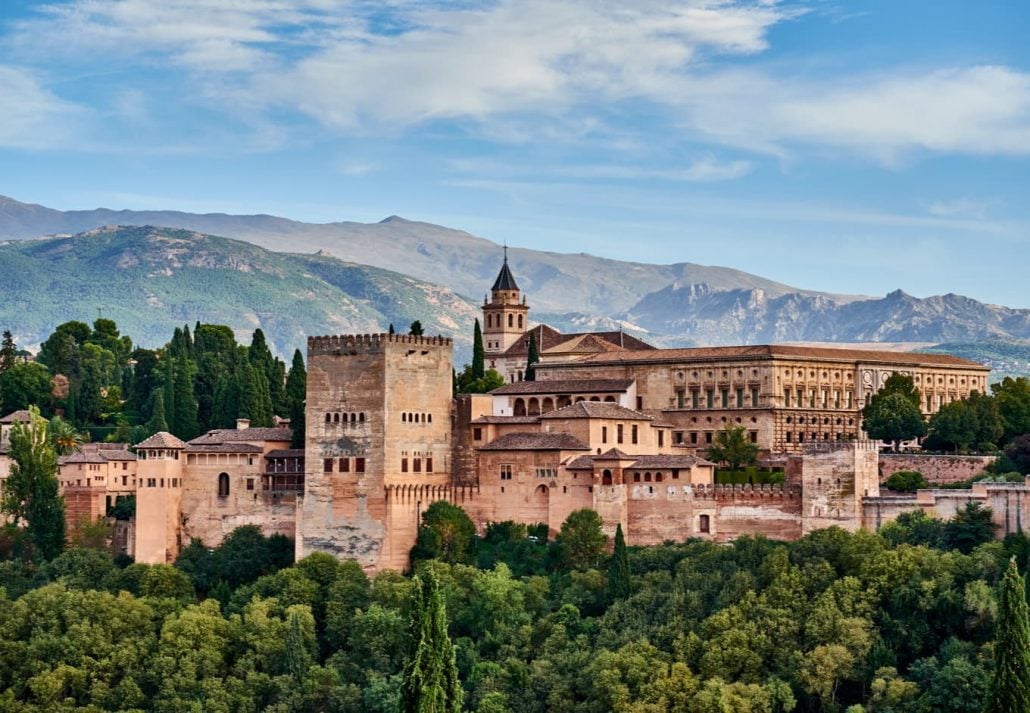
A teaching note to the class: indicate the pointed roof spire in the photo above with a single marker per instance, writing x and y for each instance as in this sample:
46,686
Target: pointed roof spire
505,280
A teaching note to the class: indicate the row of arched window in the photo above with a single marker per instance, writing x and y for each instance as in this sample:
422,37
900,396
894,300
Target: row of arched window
345,418
497,321
410,417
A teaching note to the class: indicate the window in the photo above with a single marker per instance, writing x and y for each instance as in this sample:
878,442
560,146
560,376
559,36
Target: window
693,438
790,437
633,433
404,465
710,398
604,434
786,397
511,320
429,465
250,483
725,394
327,465
505,471
708,437
618,433
661,438
359,465
695,399
754,436
477,434
754,397
640,403
704,523
223,482
680,398
740,398
677,437
152,482
344,465
417,465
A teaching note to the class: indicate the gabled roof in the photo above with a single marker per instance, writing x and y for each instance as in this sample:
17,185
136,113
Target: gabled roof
192,447
16,417
505,419
565,386
597,409
613,454
505,280
550,340
238,435
669,461
162,439
81,457
580,463
536,442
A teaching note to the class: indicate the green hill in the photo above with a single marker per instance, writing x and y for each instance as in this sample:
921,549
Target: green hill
150,280
1005,357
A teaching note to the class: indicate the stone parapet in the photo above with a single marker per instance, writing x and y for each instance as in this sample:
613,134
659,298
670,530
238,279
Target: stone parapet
337,343
736,492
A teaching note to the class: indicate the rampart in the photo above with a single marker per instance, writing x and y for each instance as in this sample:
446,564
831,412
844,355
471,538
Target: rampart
342,343
937,469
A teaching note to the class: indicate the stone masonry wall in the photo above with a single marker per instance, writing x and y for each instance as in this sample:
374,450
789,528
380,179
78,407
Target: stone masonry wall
937,469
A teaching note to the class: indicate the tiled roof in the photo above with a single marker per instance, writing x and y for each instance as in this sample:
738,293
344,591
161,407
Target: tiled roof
161,439
669,461
237,435
597,409
549,339
505,280
192,447
505,419
565,386
769,351
613,454
536,442
286,453
580,463
16,417
81,457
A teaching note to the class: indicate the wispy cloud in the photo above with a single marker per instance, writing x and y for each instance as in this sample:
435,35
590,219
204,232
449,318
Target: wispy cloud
33,117
960,208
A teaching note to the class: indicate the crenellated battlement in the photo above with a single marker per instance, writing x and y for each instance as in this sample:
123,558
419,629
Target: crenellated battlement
739,492
834,446
341,343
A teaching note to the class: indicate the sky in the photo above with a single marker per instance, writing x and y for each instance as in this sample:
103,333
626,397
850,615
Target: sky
851,147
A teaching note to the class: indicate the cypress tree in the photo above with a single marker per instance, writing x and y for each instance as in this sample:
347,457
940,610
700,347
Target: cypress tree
478,355
618,569
532,359
1009,691
392,331
295,395
296,658
8,351
168,385
185,417
415,330
157,420
431,682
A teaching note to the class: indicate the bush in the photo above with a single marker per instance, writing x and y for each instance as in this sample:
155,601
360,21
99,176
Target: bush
906,481
749,476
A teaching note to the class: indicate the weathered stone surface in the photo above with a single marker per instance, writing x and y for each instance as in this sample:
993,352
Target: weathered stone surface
937,469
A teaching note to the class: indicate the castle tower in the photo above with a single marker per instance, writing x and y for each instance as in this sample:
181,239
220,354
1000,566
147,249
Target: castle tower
378,448
505,315
158,498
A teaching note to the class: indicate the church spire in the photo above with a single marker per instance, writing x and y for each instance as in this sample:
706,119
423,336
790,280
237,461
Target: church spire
505,281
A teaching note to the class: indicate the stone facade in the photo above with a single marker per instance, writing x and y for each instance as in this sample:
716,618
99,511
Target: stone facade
937,469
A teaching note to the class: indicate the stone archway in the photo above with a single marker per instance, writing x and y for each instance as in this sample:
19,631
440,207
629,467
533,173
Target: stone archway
520,407
538,505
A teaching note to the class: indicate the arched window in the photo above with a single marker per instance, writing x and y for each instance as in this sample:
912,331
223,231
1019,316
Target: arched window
328,418
511,320
354,418
520,321
657,477
361,417
223,485
606,477
520,407
404,417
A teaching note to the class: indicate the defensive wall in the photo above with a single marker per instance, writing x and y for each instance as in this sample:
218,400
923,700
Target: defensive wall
937,469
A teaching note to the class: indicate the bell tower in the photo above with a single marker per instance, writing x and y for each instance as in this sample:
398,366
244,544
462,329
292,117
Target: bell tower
505,314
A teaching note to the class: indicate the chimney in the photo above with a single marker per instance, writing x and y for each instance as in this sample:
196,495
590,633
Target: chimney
242,424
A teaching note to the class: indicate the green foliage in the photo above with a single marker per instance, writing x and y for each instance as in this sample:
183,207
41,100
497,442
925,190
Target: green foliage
465,383
1013,398
478,353
970,528
431,682
1009,690
295,395
618,568
906,481
446,533
30,493
532,358
415,330
1018,452
581,541
24,384
732,445
893,413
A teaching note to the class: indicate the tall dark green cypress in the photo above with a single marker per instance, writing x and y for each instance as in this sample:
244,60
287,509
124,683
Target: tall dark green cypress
532,359
184,419
158,422
297,656
431,682
618,569
1009,691
478,355
295,395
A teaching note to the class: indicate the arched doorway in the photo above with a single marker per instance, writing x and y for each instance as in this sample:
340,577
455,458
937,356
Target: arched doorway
606,477
520,407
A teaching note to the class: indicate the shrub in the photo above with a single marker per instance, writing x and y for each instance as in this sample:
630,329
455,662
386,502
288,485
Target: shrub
906,481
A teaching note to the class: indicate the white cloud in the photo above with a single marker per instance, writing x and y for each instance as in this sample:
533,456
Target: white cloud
32,117
960,208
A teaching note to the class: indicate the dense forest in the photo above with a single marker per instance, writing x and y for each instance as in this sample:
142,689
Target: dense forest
904,620
99,383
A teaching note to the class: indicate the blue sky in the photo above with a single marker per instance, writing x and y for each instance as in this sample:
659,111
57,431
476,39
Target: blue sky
843,146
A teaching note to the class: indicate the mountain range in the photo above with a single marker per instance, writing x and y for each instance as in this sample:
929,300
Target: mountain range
294,278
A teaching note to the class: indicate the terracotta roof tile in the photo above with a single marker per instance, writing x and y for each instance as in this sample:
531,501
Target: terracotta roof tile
580,463
536,442
237,435
565,386
669,461
16,417
505,419
286,453
597,409
192,447
613,454
162,439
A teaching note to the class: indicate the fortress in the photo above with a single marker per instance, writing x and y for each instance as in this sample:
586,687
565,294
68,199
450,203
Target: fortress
609,423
